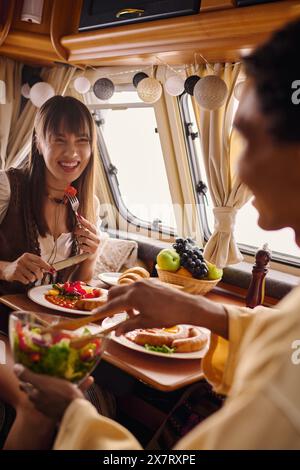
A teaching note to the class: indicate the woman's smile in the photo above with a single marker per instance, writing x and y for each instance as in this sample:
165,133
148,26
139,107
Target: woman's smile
69,166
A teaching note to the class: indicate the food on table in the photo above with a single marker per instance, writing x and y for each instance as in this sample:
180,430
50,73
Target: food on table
132,275
191,261
53,354
69,294
184,272
213,271
178,339
70,191
168,259
90,304
138,270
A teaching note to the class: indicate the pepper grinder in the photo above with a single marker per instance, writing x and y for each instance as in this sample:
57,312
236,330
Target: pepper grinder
256,291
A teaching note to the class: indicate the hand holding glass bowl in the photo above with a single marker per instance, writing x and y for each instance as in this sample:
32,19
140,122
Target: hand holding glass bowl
53,353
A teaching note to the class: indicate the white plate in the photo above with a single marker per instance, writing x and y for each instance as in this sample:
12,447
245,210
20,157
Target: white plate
114,320
37,294
109,278
192,355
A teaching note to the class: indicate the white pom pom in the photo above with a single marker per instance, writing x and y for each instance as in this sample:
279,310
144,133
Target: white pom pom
82,85
149,90
174,85
25,90
210,92
238,90
40,93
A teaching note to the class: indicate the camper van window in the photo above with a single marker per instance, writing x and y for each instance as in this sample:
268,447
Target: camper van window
247,232
130,147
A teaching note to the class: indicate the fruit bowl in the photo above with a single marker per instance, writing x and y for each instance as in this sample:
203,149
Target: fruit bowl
190,284
53,353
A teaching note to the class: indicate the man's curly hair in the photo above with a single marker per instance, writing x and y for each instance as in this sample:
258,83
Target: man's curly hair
274,66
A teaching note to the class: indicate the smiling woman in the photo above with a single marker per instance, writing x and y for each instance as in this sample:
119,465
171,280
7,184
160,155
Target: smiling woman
62,154
38,228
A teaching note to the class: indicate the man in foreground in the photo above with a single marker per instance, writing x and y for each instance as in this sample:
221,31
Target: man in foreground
253,357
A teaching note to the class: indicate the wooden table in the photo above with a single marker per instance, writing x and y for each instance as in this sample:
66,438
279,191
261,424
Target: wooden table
160,373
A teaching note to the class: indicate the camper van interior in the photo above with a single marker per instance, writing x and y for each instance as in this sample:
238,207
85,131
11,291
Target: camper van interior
149,224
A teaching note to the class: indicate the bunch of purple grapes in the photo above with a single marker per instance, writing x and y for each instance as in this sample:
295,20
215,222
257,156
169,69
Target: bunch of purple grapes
191,257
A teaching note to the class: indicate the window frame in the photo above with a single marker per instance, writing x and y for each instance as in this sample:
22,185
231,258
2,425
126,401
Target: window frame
111,172
285,259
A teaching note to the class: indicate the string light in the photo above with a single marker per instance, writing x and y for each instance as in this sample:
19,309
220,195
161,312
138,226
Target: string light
211,94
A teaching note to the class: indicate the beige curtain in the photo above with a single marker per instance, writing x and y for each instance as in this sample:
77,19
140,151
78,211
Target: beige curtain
10,74
220,144
20,131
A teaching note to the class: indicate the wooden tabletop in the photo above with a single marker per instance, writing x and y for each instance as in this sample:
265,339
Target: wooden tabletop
166,374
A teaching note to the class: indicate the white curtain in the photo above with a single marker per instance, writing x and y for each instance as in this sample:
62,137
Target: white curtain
220,143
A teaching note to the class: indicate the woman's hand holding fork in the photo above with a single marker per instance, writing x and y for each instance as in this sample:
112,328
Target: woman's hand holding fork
87,236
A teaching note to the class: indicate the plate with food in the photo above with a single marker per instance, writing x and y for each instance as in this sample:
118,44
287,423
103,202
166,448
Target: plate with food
111,279
71,297
177,342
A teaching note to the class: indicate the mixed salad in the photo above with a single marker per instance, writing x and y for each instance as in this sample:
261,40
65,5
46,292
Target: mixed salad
52,354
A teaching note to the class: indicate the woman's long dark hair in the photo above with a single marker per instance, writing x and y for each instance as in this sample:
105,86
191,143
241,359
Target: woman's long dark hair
75,118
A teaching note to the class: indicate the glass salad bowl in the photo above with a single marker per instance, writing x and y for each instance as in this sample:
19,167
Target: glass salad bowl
66,354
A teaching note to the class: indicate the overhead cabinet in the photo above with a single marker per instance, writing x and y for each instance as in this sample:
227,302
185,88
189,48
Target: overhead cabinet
97,14
246,3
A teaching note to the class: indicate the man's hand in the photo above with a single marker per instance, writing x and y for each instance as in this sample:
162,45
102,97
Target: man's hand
50,395
161,306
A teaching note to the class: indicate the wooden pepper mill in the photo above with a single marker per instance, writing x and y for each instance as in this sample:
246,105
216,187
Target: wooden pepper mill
256,290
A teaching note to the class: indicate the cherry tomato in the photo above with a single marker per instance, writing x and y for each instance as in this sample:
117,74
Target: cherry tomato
35,357
71,191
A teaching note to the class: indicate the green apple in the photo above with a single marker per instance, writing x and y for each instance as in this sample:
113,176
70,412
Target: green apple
213,272
168,260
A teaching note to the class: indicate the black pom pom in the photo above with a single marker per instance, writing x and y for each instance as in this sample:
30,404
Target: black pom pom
190,83
139,77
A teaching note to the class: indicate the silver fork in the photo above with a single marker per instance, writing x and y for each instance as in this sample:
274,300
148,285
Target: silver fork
74,202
